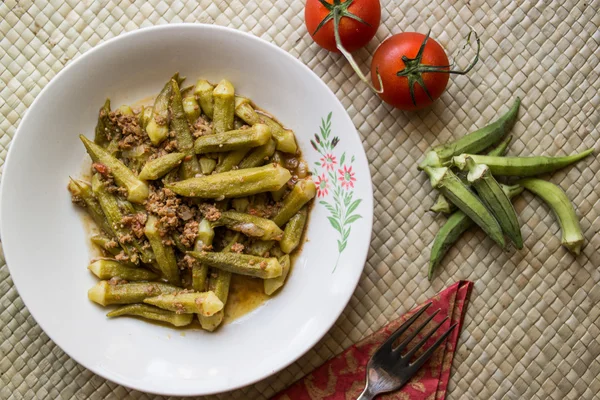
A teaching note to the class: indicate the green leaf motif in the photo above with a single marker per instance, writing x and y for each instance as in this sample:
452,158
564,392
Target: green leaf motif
353,206
335,224
342,159
352,218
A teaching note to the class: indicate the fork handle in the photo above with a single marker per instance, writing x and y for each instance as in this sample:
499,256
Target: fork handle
366,394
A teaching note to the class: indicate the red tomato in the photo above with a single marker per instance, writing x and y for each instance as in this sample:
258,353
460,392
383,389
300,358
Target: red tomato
353,34
388,61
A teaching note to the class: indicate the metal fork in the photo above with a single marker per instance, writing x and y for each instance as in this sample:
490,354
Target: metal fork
388,369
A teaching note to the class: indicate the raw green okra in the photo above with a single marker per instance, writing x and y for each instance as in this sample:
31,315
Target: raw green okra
249,225
106,294
137,191
255,136
242,264
302,193
284,138
185,141
237,183
204,94
183,302
491,194
444,180
158,126
106,269
292,233
473,142
258,156
205,237
454,227
219,283
443,205
191,108
112,211
224,107
165,255
84,191
152,313
231,160
157,168
521,166
273,284
555,197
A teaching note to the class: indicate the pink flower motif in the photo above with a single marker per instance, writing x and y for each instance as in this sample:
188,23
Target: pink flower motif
322,186
328,161
346,177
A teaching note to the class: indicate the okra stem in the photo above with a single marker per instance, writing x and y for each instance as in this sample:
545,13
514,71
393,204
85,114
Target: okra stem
555,197
204,93
224,106
521,166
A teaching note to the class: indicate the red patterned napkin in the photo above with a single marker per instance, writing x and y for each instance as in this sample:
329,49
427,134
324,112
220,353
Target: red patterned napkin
343,377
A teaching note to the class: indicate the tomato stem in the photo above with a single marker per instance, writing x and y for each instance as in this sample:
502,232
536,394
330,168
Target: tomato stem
414,70
337,11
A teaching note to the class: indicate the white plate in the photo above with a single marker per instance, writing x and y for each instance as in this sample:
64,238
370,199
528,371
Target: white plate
44,238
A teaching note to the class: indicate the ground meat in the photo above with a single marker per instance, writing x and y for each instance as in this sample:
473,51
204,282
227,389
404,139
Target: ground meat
136,223
202,127
115,280
111,244
209,211
165,204
186,212
186,262
78,200
169,145
237,247
121,256
160,120
263,265
101,169
128,238
190,231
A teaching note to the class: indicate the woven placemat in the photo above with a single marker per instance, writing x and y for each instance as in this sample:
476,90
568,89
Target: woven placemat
533,325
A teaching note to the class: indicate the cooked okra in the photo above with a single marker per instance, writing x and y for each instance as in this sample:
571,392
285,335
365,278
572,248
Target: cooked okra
152,313
189,189
204,303
107,269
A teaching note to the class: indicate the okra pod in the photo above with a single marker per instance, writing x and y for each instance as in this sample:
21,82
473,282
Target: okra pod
207,165
185,141
273,284
84,191
259,156
106,269
145,117
137,191
442,205
159,167
165,256
473,142
454,227
250,225
191,108
301,194
494,198
106,294
242,264
555,197
152,313
444,180
105,130
158,126
261,248
240,204
224,107
521,166
293,231
255,136
108,245
231,160
238,183
205,237
204,303
204,93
